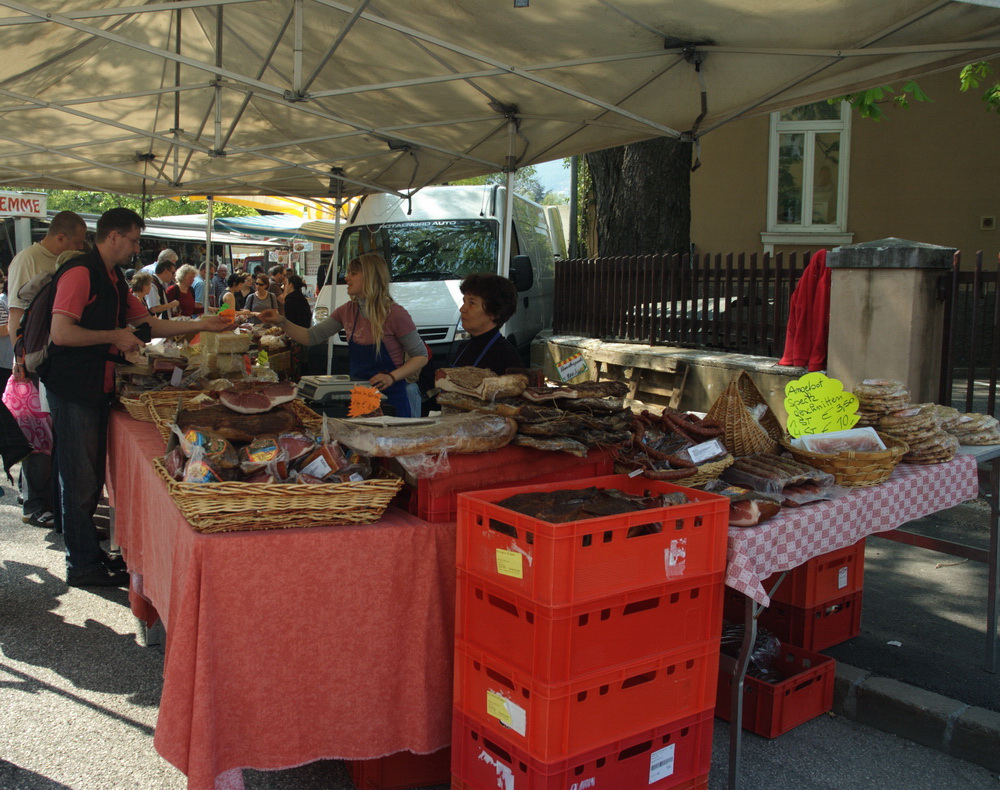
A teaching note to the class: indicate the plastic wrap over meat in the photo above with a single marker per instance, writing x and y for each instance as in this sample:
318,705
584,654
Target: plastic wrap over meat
471,432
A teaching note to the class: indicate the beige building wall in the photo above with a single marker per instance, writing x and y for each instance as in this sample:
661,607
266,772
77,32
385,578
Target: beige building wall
927,174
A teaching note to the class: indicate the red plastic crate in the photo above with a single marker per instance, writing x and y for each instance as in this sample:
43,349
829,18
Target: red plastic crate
562,564
816,628
435,499
559,644
673,756
553,722
401,771
698,783
770,709
823,578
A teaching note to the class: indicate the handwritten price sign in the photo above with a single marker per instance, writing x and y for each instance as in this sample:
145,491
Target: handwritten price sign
818,404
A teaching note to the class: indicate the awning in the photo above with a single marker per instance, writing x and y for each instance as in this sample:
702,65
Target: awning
326,99
277,226
167,229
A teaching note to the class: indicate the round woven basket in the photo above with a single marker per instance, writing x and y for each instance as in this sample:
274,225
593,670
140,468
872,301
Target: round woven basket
853,468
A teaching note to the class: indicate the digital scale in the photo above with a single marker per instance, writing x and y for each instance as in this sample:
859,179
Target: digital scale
325,389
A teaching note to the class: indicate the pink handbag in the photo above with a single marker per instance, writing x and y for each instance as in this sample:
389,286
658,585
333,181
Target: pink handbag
22,398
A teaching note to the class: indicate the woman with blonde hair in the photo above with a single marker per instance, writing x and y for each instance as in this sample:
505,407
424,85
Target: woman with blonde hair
384,346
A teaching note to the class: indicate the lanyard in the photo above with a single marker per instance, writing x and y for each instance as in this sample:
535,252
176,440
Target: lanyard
482,353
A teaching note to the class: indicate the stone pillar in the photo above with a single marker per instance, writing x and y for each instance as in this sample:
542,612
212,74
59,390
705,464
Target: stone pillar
885,318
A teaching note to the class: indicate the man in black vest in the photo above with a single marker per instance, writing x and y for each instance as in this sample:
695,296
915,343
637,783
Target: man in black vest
91,318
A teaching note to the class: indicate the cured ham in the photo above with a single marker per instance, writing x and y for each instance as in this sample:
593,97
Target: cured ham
586,389
259,398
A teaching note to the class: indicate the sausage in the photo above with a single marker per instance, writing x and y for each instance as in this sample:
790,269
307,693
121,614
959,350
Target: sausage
670,474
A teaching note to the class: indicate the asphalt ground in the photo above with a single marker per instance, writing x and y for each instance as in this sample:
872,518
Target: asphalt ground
79,690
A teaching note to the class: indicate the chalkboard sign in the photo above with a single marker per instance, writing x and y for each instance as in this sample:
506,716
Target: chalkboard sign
818,404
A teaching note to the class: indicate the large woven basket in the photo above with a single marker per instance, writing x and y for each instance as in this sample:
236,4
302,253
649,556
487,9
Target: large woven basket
745,435
854,468
162,405
136,408
245,507
163,417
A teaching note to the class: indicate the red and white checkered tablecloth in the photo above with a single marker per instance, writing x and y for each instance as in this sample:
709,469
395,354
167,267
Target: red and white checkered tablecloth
798,534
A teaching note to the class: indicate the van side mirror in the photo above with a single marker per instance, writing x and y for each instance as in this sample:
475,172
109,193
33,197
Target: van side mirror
521,272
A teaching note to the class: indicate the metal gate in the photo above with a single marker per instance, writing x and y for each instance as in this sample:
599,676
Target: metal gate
970,356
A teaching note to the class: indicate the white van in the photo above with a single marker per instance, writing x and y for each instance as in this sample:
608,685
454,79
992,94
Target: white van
431,242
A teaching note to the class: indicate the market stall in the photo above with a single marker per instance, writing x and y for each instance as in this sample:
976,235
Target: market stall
243,597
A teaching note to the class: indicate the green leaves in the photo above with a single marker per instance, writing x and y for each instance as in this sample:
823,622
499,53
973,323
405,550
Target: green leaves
972,75
868,103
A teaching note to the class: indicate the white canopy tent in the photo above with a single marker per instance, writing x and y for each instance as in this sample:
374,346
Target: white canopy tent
323,98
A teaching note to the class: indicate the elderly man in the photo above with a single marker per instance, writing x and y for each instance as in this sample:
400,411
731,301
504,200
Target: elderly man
219,284
167,255
92,318
156,299
67,231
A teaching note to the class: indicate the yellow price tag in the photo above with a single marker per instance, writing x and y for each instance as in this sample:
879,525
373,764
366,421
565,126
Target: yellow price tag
510,563
496,706
818,404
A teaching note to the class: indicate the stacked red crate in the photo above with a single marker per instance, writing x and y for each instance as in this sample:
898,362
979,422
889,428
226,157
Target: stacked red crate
435,498
818,604
587,649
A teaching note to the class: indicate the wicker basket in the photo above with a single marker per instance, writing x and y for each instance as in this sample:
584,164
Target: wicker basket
163,417
136,409
245,507
745,435
162,405
854,468
706,472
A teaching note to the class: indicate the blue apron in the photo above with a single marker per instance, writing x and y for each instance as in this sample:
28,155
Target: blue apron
365,361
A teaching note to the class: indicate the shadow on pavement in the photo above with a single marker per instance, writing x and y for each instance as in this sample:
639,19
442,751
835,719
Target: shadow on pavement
91,656
13,776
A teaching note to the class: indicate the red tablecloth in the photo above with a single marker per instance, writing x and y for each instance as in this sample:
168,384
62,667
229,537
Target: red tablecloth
286,646
796,535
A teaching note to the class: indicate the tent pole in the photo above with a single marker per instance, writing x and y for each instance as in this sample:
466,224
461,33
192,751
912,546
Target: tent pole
208,254
508,218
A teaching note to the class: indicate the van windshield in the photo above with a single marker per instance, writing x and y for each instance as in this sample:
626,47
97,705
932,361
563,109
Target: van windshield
426,250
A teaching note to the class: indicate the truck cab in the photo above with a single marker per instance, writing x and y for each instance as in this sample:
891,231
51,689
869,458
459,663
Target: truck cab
434,239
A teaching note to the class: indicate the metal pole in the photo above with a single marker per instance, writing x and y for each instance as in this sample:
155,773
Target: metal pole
208,254
574,206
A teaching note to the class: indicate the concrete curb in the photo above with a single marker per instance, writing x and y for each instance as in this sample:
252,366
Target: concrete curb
954,728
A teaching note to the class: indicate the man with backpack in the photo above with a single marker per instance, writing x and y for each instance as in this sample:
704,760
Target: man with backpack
92,309
67,231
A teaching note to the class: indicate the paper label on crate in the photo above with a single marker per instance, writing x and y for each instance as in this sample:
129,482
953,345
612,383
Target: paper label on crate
675,558
505,776
842,578
176,376
496,706
510,563
502,709
661,763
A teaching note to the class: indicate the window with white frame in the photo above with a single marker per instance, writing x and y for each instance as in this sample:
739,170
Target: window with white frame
807,173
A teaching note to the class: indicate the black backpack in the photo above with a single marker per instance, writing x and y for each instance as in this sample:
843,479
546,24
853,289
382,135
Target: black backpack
31,346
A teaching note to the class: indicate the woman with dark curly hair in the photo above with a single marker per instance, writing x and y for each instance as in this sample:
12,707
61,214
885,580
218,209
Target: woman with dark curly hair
488,302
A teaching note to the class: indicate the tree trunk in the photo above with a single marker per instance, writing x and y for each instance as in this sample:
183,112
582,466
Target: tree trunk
643,197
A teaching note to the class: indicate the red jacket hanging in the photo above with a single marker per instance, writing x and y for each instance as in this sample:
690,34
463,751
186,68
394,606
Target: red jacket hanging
809,317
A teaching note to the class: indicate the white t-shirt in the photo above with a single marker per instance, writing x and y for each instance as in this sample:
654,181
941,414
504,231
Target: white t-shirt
27,264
